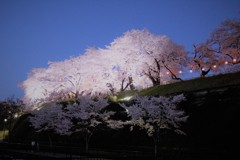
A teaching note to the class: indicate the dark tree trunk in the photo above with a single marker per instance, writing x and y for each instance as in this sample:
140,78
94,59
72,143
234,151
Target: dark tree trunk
86,144
156,139
129,84
155,151
172,74
204,73
87,138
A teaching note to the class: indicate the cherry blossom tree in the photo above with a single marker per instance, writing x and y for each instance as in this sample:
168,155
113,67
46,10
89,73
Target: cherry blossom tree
221,52
154,114
66,80
84,116
226,40
136,60
50,84
147,56
87,116
204,60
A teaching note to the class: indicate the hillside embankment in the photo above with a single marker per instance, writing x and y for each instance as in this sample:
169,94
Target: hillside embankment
212,129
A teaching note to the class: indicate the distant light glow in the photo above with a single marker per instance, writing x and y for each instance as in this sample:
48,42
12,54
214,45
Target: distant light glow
180,72
167,73
114,98
5,120
234,60
126,98
214,66
226,62
203,69
15,115
191,71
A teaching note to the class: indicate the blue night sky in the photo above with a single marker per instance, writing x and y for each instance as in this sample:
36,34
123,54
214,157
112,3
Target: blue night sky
33,32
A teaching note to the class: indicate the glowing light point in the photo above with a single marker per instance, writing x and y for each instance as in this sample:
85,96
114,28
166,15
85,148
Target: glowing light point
214,66
234,60
191,71
15,115
5,120
180,72
126,98
203,69
167,73
226,62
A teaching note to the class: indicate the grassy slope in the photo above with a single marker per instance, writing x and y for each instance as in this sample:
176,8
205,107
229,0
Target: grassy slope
189,85
3,134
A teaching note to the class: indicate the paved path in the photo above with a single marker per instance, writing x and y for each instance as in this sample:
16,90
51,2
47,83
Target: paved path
8,154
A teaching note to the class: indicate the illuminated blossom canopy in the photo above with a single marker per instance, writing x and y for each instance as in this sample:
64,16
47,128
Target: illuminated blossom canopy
86,115
156,114
138,59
